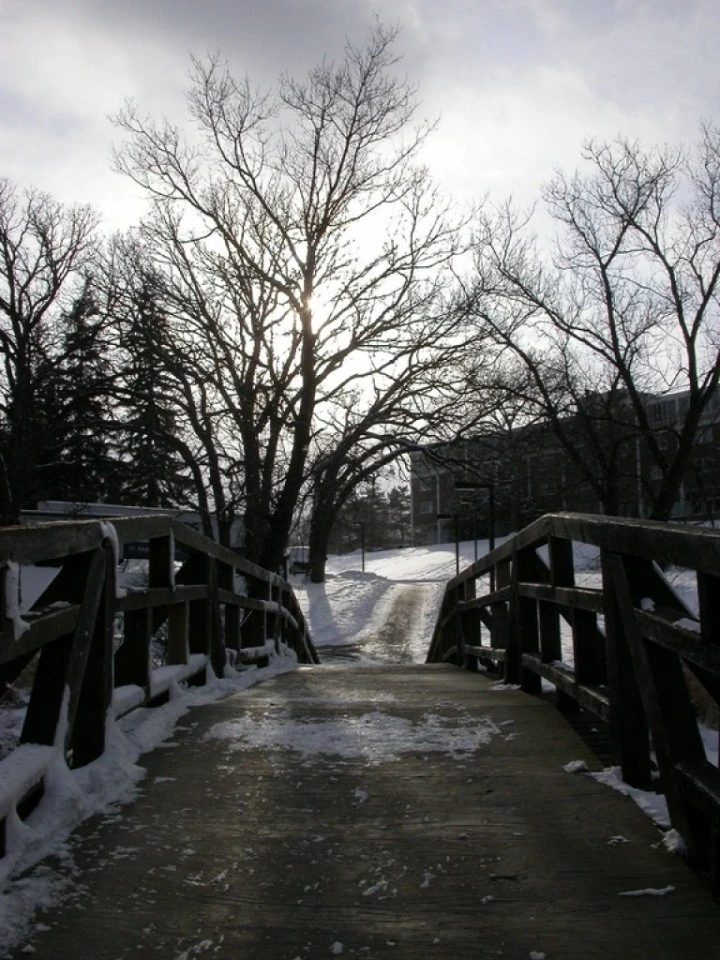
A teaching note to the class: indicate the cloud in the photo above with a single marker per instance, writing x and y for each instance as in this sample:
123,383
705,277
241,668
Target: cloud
518,83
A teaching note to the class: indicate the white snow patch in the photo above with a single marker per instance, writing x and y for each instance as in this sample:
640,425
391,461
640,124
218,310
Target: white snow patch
11,600
653,804
648,892
674,843
375,888
374,737
576,766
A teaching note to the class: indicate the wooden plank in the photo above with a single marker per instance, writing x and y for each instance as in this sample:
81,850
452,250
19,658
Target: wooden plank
178,648
594,699
589,649
534,535
87,738
671,543
578,598
197,542
50,541
486,600
85,634
45,626
49,684
527,620
562,562
232,626
470,624
669,713
486,653
628,725
132,658
162,562
702,780
683,642
142,527
160,596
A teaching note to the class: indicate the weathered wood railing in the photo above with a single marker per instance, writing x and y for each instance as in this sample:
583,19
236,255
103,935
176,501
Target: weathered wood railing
93,642
635,644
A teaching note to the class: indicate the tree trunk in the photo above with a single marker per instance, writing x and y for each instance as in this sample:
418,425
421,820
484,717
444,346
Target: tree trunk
322,522
9,512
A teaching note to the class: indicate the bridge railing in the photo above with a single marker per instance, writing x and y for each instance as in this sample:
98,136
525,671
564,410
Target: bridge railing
638,648
99,649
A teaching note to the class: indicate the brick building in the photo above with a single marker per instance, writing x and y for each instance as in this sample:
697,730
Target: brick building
522,473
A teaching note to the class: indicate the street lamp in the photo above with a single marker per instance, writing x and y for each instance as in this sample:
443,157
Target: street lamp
361,524
470,487
454,518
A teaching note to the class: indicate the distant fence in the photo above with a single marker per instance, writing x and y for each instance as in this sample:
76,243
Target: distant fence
635,644
94,646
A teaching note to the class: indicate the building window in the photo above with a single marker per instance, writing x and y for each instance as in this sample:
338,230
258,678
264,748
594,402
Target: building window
427,506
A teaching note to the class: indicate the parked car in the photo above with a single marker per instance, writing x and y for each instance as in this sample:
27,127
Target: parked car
298,559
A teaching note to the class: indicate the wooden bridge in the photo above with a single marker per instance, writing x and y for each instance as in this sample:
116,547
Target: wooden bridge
396,810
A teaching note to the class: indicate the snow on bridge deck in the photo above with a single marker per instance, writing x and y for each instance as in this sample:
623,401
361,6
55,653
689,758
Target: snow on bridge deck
387,811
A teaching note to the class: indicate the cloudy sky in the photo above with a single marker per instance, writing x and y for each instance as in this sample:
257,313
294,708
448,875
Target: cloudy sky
517,84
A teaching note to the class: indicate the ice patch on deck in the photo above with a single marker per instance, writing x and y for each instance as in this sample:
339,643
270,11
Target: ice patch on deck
374,737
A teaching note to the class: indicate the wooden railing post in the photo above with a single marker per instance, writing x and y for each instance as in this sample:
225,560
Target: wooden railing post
162,561
87,720
274,620
562,574
74,672
132,659
525,620
253,630
667,706
46,698
709,609
178,646
469,621
231,619
628,726
500,612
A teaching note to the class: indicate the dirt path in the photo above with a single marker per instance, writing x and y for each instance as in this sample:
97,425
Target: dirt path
396,639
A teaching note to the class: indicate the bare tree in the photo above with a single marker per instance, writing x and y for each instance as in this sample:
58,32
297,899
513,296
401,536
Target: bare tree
44,248
290,229
409,397
625,308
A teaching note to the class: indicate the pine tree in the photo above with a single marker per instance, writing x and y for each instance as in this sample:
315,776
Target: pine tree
155,475
78,461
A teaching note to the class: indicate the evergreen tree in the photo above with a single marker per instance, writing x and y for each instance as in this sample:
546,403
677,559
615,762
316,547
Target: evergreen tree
79,465
156,476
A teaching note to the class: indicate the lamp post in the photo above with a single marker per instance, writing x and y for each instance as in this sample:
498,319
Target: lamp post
454,518
361,524
471,487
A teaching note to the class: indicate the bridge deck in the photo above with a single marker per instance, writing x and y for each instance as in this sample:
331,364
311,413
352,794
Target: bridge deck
386,848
